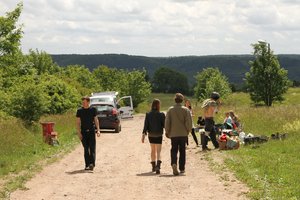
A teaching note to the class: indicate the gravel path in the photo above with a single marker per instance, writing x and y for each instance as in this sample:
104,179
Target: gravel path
123,171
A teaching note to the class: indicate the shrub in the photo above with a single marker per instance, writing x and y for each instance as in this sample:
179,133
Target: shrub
62,96
28,100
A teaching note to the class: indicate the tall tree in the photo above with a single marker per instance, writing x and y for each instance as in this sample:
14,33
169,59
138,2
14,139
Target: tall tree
136,86
266,81
10,33
167,80
110,79
11,57
210,80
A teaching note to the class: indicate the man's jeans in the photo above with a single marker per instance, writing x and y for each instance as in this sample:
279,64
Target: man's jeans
89,145
178,144
210,127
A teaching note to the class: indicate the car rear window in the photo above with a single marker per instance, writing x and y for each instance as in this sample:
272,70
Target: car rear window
101,99
103,107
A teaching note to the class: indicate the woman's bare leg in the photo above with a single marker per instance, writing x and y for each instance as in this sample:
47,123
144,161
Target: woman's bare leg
158,151
153,152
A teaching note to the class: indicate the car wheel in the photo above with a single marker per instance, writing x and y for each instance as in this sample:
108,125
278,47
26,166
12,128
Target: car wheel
118,129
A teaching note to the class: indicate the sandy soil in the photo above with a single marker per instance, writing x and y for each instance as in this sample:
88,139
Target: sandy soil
123,171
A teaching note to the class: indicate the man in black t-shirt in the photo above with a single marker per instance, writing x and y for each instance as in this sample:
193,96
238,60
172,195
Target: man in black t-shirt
86,121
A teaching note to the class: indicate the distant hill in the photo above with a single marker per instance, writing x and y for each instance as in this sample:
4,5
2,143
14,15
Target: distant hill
233,66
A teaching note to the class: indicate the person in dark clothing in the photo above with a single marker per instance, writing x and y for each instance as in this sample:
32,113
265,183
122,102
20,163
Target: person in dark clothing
86,123
189,106
153,125
210,107
200,122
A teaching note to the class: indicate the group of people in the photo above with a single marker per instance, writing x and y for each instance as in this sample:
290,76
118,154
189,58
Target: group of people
178,124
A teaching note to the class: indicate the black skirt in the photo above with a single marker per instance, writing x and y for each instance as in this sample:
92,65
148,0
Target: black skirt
155,140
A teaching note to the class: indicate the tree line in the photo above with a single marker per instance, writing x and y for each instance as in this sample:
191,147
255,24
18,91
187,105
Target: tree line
232,66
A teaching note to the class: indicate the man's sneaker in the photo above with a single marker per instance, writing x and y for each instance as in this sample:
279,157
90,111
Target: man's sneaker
91,167
182,171
175,171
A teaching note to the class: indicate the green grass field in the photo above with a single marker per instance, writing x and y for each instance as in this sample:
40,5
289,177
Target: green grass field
270,169
23,149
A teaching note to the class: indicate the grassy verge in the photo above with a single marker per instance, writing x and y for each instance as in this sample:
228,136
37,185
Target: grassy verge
270,169
23,150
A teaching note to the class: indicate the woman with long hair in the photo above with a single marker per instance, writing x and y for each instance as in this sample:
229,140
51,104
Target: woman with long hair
153,126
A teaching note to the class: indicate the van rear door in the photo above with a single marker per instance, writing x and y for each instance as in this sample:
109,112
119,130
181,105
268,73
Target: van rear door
126,109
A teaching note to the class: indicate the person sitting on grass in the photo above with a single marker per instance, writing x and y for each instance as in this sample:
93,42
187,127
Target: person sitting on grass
227,121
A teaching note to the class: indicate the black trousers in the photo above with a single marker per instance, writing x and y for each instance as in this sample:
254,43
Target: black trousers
178,144
194,137
210,127
89,144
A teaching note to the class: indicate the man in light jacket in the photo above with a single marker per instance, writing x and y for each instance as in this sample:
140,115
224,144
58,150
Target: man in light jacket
178,125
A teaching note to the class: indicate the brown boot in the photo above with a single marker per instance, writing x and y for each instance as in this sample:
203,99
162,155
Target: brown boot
157,168
175,170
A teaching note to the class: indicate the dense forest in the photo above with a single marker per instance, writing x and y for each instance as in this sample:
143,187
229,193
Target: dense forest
233,66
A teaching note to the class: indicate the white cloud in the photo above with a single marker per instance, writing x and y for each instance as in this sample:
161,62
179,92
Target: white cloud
158,27
111,41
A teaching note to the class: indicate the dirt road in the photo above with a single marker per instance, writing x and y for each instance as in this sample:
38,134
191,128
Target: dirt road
123,171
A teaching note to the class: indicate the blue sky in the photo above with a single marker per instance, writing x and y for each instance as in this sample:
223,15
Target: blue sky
158,27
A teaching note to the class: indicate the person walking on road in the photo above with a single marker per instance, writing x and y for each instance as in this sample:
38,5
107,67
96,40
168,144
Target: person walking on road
86,123
178,124
154,126
188,104
210,107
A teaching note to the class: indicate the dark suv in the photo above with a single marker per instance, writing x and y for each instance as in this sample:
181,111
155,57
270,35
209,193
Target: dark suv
108,115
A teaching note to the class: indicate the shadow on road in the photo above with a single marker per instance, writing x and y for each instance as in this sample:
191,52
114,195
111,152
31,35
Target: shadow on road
147,174
171,175
159,175
107,131
80,171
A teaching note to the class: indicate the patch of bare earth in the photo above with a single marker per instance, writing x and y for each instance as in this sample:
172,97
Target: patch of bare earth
123,171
